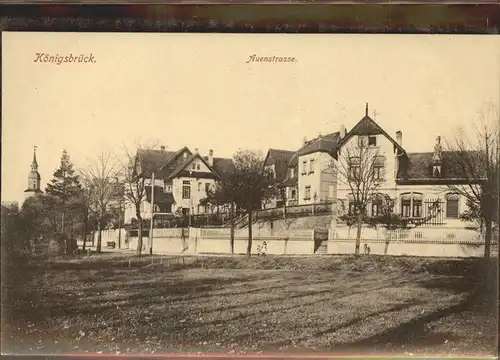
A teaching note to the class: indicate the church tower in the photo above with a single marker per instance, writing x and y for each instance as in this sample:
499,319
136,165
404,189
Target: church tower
33,178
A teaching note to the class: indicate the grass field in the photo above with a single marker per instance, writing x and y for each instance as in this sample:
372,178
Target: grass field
118,304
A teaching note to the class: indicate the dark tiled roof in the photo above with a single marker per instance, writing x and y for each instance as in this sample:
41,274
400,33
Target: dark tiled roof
289,182
220,165
280,159
182,165
162,199
419,166
223,166
174,163
37,191
153,160
324,143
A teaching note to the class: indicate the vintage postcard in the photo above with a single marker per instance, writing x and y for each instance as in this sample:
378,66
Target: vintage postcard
250,194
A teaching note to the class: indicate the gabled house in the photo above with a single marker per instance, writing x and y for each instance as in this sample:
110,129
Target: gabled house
182,179
308,176
276,166
415,181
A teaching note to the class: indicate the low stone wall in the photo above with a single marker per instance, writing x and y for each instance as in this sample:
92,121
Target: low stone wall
420,241
409,248
218,241
413,242
115,235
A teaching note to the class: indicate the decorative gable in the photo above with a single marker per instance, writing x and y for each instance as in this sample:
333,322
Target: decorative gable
194,166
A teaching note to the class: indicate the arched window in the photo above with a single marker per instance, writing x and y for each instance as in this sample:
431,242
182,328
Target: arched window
452,205
377,203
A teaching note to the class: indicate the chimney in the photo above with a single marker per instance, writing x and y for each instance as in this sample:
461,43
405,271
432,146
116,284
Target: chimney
162,148
366,109
342,131
399,137
304,140
196,150
210,157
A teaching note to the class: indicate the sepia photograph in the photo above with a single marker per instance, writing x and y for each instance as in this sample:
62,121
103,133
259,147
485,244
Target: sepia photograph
250,194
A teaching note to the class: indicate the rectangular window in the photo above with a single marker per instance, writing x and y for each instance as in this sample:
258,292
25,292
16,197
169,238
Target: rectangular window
193,166
377,172
354,172
199,186
168,188
304,167
406,207
352,207
311,166
269,173
293,193
417,207
372,140
207,187
331,191
362,141
376,207
452,208
186,189
197,166
307,195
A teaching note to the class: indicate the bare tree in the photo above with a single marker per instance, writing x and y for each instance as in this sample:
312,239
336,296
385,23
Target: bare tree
245,188
84,202
136,183
99,179
476,157
359,168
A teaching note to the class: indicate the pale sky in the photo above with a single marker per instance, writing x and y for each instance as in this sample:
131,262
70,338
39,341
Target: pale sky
197,90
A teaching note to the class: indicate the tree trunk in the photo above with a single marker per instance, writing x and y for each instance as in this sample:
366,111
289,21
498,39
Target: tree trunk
249,246
232,228
358,233
139,235
99,235
62,221
84,234
487,238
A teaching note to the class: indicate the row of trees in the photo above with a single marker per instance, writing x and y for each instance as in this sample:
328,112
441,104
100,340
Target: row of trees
78,201
73,204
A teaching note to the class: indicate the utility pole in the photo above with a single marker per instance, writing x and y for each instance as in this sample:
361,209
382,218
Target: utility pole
120,195
119,225
152,214
190,198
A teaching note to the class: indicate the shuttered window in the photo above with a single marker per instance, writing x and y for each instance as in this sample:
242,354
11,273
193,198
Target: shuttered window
452,207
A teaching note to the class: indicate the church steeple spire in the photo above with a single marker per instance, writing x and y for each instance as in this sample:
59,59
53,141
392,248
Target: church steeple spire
33,178
34,163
